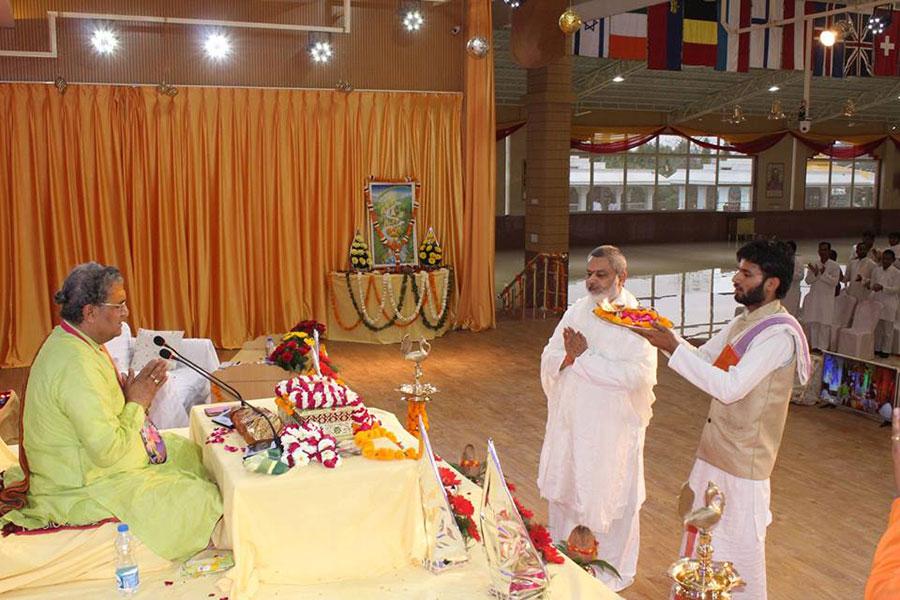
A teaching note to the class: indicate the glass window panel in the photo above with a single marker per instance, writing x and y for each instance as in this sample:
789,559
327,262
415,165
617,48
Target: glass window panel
817,182
697,149
667,296
640,287
864,179
841,181
702,183
671,178
609,183
735,192
578,198
579,181
641,181
672,144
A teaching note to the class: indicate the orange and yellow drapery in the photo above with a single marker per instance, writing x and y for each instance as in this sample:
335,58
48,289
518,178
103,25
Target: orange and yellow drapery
225,208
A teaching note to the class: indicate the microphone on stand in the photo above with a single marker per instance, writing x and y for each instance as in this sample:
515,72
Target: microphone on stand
169,353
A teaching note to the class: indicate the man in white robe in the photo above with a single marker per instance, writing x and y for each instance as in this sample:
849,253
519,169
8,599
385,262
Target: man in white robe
748,368
818,305
859,271
598,378
885,286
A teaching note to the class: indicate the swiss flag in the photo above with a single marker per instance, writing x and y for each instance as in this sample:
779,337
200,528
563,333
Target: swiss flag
887,45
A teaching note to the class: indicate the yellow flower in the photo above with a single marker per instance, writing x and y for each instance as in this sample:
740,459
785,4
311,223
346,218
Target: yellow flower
422,255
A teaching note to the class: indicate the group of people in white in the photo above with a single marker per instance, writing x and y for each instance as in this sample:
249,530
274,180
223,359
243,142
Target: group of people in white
599,378
871,275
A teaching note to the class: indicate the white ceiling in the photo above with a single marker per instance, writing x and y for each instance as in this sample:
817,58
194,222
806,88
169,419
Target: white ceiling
696,91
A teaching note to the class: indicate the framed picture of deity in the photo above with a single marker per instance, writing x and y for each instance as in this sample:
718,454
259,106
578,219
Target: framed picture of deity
392,208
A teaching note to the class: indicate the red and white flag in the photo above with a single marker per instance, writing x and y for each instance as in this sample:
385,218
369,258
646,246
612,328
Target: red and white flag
887,45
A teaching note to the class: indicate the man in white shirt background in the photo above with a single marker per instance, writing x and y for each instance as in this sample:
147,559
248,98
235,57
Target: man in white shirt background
818,305
885,286
748,369
859,271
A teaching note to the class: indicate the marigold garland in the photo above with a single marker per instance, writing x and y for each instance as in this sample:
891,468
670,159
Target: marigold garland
365,440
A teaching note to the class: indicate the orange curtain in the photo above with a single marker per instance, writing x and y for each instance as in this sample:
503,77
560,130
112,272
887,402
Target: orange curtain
476,300
225,209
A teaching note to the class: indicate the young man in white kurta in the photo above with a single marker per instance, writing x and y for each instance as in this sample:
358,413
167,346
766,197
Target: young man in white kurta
859,271
818,306
743,432
599,399
885,286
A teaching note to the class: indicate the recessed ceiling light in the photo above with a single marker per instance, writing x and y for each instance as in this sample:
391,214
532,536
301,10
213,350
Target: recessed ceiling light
413,20
774,88
618,79
321,52
217,46
104,41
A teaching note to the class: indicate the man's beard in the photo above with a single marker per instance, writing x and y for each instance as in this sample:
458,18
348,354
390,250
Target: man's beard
754,296
608,294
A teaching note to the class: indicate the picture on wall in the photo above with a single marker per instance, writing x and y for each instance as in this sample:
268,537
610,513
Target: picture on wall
392,208
775,180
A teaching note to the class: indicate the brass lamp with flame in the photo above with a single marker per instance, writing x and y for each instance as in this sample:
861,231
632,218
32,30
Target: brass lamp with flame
702,578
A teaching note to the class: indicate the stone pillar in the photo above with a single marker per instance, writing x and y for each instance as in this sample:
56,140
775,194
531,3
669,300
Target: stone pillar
549,103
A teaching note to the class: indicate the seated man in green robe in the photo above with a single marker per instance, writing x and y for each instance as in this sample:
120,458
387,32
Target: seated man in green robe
88,452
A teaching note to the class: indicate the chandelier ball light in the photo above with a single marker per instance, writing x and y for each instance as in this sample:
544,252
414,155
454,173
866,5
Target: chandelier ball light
413,20
217,46
478,46
569,21
104,41
828,38
321,52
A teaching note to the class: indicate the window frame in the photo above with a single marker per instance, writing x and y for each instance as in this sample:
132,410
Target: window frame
828,197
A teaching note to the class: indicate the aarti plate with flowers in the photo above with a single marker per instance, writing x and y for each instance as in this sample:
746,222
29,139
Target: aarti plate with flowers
633,318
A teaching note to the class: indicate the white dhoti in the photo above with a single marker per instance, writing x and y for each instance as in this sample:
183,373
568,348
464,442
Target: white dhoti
884,336
740,537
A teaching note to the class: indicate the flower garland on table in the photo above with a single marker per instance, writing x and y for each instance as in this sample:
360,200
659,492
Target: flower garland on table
442,316
304,442
365,440
363,313
462,508
388,291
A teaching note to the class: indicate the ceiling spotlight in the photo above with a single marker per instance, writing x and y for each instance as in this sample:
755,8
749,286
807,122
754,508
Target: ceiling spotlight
217,46
104,41
879,21
514,3
828,38
413,20
774,88
321,52
618,79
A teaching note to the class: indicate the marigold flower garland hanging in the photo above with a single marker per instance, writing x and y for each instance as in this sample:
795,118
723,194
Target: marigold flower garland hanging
445,312
363,313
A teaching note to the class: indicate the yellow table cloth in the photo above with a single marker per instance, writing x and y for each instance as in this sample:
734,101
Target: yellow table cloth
344,323
312,524
79,565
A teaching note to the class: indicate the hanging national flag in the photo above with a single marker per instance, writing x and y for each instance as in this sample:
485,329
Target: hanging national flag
700,32
628,35
619,36
765,44
733,49
885,59
592,39
858,46
665,24
827,61
793,35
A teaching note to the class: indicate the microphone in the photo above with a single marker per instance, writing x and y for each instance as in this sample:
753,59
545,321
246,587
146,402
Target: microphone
169,353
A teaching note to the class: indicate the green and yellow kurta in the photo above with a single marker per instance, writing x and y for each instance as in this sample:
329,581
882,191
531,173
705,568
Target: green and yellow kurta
87,458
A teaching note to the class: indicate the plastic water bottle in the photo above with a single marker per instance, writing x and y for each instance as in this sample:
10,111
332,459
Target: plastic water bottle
270,347
127,578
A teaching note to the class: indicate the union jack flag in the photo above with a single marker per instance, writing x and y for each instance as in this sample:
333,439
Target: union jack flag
826,61
858,47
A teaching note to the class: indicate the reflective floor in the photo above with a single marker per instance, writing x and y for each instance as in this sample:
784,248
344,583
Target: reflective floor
698,299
